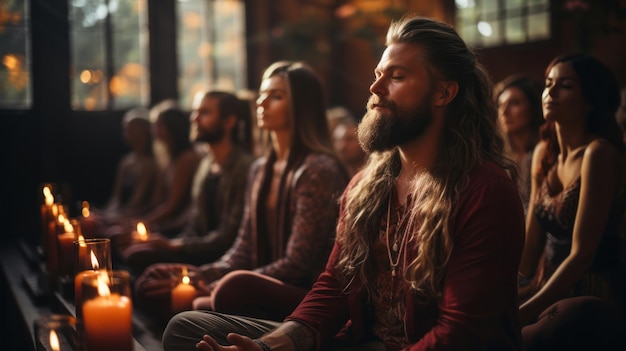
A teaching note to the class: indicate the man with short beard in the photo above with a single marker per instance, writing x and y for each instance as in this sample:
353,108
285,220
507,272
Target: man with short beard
219,119
430,232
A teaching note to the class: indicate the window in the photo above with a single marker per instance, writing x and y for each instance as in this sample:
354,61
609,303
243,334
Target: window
109,54
489,23
15,75
211,47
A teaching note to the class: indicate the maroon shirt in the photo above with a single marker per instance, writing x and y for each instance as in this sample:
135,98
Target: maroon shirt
478,307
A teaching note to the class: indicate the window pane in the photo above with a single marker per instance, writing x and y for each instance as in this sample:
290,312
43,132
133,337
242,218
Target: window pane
109,54
512,4
88,67
194,48
230,58
539,26
15,76
514,31
501,22
493,34
211,46
129,81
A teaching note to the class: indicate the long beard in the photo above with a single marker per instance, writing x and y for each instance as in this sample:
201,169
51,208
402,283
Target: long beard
211,136
384,131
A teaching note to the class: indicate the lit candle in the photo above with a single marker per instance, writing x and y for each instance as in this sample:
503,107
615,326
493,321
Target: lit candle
82,251
56,227
142,233
66,247
54,341
47,216
108,319
78,282
87,221
183,294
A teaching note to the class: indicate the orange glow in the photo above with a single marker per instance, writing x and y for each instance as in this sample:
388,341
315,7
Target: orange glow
11,62
85,76
205,49
54,341
192,21
94,260
133,70
85,209
142,232
96,76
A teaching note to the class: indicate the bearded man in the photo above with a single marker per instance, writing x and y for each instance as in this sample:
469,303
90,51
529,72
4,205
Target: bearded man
220,125
430,232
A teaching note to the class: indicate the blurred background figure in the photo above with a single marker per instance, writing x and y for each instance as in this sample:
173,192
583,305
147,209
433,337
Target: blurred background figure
221,124
290,210
178,161
343,127
519,114
137,173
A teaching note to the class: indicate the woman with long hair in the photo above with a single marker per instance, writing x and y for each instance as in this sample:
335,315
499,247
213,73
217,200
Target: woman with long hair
291,208
574,221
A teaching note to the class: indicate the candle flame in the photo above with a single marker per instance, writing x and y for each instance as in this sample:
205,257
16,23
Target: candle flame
81,240
47,194
54,341
185,279
94,260
61,218
85,209
55,210
103,284
142,231
68,226
46,190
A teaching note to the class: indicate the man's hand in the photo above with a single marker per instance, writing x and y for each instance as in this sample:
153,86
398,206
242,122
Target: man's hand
239,343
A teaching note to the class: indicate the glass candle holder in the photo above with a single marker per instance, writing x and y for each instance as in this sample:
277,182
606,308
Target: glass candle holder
107,311
57,332
90,255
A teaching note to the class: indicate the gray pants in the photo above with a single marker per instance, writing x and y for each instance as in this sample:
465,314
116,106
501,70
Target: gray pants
185,329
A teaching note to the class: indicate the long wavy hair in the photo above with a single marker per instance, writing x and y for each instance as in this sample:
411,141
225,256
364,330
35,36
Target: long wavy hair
600,90
470,136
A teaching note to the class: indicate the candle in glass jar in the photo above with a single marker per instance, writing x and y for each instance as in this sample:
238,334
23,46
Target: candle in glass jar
108,319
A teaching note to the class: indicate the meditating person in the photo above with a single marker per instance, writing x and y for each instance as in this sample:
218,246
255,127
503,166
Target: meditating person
345,139
291,209
571,280
178,160
136,175
519,114
430,232
221,124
